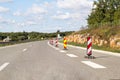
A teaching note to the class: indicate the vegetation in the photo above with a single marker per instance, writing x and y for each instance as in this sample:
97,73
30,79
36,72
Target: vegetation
105,13
105,48
21,37
104,32
104,20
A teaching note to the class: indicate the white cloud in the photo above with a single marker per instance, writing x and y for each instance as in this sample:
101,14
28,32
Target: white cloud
74,4
2,1
1,18
78,10
3,9
35,9
68,12
59,12
20,24
75,15
13,21
67,16
6,21
30,22
46,4
17,13
62,16
26,23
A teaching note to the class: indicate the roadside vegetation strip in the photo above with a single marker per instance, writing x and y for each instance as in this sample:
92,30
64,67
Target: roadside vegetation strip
79,46
83,46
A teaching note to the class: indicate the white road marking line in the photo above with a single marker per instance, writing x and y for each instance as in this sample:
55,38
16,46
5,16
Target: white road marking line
74,46
4,65
71,55
62,51
53,46
103,52
24,50
92,64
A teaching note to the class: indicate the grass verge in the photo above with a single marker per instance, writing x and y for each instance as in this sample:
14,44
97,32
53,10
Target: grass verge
105,48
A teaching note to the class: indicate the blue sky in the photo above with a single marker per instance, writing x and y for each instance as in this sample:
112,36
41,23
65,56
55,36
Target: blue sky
43,15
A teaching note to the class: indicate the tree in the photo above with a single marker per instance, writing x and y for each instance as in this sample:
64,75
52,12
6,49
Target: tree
117,17
104,11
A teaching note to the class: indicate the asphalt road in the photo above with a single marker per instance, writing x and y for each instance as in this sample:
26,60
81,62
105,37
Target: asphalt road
42,61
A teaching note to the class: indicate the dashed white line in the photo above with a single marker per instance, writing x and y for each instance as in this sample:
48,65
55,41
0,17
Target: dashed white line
71,55
24,50
93,65
62,51
3,66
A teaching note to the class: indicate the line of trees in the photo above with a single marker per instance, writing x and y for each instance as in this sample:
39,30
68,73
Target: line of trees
21,36
105,12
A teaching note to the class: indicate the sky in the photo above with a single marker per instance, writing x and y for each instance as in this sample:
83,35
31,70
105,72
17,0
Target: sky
43,15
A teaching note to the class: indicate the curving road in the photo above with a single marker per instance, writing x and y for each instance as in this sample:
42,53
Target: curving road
42,61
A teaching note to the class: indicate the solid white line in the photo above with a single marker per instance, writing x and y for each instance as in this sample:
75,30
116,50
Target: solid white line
71,55
24,50
74,46
53,46
62,51
3,66
101,51
92,64
107,52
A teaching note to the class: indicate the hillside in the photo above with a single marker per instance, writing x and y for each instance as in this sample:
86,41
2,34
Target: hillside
106,38
103,32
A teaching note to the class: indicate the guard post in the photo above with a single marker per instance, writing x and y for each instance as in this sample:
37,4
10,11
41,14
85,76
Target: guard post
65,43
89,48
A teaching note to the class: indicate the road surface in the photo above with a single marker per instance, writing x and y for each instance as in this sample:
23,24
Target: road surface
42,61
